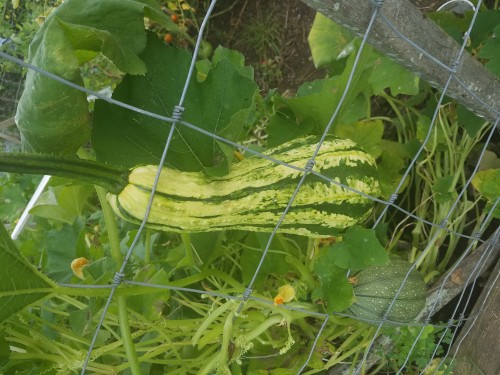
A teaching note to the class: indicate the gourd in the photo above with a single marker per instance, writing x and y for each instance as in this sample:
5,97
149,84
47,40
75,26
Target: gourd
376,286
255,193
252,196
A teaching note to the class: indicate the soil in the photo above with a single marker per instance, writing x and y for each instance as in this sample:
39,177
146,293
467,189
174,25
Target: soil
272,35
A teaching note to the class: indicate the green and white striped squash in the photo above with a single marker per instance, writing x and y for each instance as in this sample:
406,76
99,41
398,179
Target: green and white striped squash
376,286
255,193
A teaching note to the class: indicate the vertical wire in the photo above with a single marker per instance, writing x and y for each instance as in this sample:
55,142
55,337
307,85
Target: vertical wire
176,117
308,168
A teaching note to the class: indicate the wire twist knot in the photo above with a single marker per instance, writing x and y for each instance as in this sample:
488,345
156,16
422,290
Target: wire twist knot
118,278
454,66
392,198
177,114
378,3
476,235
247,293
442,224
310,165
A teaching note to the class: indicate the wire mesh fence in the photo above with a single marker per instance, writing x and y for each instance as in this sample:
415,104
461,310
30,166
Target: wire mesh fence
481,241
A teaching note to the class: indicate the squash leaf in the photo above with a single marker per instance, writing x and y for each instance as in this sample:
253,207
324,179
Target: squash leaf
327,40
20,284
389,74
487,182
275,263
444,189
359,249
127,138
53,117
334,289
491,51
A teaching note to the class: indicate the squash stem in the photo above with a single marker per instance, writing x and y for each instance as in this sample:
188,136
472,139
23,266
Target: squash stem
188,259
114,243
112,178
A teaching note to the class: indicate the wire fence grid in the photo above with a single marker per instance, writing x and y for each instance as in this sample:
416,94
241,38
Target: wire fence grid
489,245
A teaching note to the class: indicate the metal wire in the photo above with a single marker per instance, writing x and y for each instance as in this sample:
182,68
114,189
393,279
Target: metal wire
176,120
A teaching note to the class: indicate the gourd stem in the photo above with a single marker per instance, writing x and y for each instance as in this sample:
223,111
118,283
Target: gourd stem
112,178
114,242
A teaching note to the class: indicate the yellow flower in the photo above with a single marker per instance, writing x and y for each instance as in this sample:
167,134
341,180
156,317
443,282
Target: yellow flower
285,294
77,266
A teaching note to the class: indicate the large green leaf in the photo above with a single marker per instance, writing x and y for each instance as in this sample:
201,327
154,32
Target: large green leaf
389,74
359,249
20,284
127,138
53,117
334,288
327,40
368,134
487,182
491,52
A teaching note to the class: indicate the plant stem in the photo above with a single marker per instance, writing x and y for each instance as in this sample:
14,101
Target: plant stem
99,292
305,274
113,178
127,336
114,243
186,240
111,227
147,246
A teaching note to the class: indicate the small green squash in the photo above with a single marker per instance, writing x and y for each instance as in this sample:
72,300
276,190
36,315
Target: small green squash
375,288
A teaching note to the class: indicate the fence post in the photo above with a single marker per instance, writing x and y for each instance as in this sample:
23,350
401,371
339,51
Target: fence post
477,352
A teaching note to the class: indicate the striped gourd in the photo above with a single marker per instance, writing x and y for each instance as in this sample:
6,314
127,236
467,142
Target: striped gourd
255,193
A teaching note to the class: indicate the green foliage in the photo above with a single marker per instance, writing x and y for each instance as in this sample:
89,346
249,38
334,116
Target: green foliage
211,104
415,354
358,249
263,34
328,41
491,51
252,254
20,21
71,36
487,182
180,329
334,290
483,42
21,284
13,195
62,203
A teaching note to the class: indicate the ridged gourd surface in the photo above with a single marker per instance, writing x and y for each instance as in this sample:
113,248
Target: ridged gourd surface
256,191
